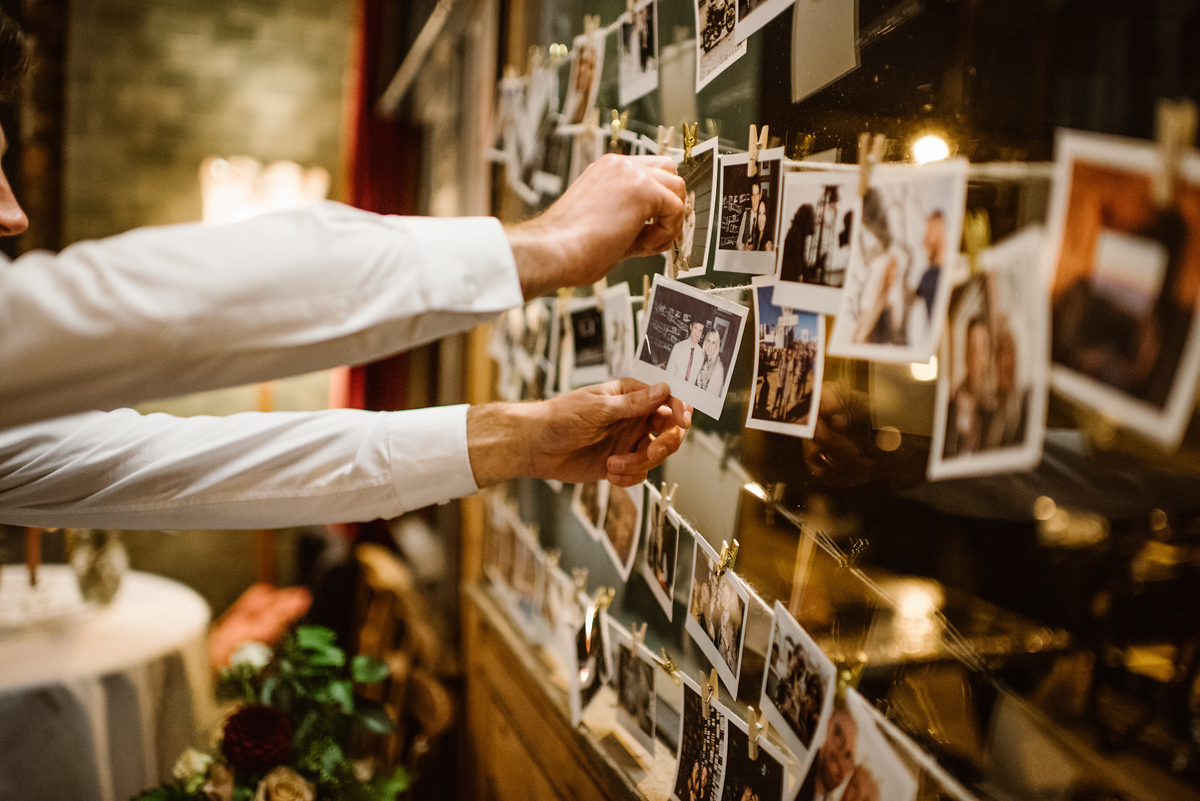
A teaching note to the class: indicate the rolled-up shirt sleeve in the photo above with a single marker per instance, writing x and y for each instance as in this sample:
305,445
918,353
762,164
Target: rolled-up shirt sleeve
122,469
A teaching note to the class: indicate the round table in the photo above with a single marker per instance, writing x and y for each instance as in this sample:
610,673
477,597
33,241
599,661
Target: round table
97,703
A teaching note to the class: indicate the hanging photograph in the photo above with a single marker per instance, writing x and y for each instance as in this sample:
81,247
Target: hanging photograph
798,687
691,341
789,361
715,46
700,179
635,694
855,758
528,581
701,757
587,62
618,330
754,14
638,68
1125,279
557,600
587,363
589,503
991,391
747,232
902,262
662,546
746,779
824,45
592,667
587,145
717,614
622,524
817,223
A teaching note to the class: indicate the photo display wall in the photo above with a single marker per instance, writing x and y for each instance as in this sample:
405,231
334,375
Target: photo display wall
873,345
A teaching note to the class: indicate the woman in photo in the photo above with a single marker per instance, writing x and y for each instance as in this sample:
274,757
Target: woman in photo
711,376
761,238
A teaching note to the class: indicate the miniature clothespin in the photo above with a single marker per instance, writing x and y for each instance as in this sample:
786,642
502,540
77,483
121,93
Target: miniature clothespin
591,24
708,688
870,153
579,576
620,121
638,633
670,667
689,141
558,52
726,558
758,142
537,56
598,290
1175,123
754,730
552,557
676,261
604,598
645,290
849,560
665,501
977,237
664,139
849,672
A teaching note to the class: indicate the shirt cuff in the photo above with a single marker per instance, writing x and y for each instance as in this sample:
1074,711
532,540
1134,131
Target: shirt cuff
475,269
428,453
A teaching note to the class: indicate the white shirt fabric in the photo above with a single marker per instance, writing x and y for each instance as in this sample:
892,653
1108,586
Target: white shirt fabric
677,363
166,311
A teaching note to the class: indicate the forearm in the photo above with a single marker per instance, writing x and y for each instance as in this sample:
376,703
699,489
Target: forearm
500,442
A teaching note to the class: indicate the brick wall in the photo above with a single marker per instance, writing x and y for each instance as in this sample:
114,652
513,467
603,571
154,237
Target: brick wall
154,86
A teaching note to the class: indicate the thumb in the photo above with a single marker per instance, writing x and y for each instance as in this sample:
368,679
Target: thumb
638,403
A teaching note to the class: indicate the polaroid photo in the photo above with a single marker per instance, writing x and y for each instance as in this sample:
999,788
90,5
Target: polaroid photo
587,146
637,73
592,668
691,341
752,15
789,361
855,760
663,526
700,179
748,229
528,582
715,45
622,525
700,758
589,504
902,263
991,392
618,330
558,602
717,615
1124,281
824,45
587,364
587,63
798,687
818,221
636,700
746,779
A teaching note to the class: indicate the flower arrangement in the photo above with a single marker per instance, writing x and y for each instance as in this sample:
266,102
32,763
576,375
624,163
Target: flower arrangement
288,741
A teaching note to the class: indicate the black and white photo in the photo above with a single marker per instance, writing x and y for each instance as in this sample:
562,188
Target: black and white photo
754,14
748,222
700,179
637,73
691,341
588,363
635,694
789,360
715,45
589,504
717,615
701,756
817,223
746,779
662,545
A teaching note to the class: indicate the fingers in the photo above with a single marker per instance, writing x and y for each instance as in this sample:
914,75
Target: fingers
637,403
651,452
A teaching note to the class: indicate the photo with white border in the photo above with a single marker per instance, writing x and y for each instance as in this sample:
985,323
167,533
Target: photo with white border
622,526
748,220
789,362
700,756
660,568
817,225
718,611
589,504
587,64
715,45
700,182
637,73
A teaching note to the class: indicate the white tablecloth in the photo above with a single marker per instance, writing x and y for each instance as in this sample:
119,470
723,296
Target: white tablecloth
98,703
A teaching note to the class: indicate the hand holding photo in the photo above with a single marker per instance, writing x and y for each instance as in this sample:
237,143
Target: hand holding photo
638,73
717,615
589,504
622,525
818,222
699,763
691,341
747,233
662,544
635,694
715,45
788,364
700,179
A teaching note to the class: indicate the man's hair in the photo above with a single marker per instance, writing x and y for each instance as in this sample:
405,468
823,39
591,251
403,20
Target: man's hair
14,57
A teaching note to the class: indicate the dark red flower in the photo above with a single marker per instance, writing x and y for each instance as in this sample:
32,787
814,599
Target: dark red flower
257,738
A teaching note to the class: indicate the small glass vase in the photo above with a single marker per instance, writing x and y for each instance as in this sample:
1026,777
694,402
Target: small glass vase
99,559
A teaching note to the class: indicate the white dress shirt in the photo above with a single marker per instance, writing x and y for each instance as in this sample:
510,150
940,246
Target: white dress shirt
677,363
166,311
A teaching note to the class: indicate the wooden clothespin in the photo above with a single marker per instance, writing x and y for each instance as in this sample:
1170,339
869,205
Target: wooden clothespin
870,153
977,237
689,141
726,558
754,730
620,121
579,576
604,598
849,560
537,57
598,290
1175,123
645,291
708,689
758,142
849,672
591,24
638,633
675,260
665,501
670,667
664,139
552,557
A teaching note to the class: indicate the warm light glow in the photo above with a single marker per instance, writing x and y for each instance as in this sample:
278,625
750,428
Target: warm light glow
1044,508
757,490
888,438
924,372
930,148
240,187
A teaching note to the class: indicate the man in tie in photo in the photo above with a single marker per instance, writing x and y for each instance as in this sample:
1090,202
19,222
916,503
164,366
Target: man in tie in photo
688,355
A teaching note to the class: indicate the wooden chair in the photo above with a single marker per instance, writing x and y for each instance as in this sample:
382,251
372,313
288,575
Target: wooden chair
394,615
429,715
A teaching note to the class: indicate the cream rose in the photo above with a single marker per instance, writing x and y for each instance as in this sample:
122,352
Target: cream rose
251,654
191,763
285,784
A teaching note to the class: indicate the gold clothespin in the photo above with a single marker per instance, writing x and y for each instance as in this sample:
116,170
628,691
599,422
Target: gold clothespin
604,598
591,24
689,141
758,141
598,290
670,667
665,501
619,122
708,688
849,560
664,139
726,558
638,633
754,730
870,153
579,576
977,237
552,557
849,672
1175,123
558,52
537,56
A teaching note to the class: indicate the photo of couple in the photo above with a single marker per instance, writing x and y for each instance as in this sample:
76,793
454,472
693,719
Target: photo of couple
717,615
747,239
